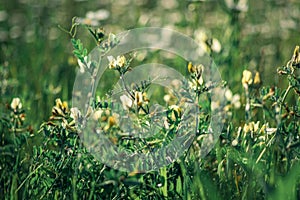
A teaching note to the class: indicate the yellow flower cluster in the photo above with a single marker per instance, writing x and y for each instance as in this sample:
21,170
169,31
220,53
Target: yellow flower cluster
117,63
60,109
196,72
176,112
248,80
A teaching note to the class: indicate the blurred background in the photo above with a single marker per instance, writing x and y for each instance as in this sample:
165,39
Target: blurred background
37,65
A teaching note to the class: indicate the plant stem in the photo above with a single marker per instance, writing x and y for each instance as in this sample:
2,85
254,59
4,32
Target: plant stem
286,93
125,86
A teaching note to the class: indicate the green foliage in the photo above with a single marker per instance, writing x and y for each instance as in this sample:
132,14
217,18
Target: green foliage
79,51
256,156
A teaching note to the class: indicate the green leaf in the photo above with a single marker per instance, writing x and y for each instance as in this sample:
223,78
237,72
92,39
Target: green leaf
178,185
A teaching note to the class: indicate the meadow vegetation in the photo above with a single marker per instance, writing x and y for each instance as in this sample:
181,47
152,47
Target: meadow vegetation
254,45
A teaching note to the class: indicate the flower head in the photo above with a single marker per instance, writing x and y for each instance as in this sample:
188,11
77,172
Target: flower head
251,127
176,112
233,99
16,104
256,79
93,18
60,109
247,78
138,98
97,114
118,63
196,72
206,43
240,5
112,120
121,61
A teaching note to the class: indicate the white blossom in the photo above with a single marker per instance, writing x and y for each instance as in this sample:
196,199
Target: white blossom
16,104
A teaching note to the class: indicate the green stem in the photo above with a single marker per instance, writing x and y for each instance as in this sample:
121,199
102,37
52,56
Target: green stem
164,188
286,93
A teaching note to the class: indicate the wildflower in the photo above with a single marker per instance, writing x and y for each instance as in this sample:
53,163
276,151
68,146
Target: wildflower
191,68
22,117
251,127
256,79
112,62
16,104
92,18
233,99
265,129
234,142
120,62
247,78
196,72
167,98
176,112
240,5
126,102
97,114
206,44
138,98
60,108
111,121
216,45
201,38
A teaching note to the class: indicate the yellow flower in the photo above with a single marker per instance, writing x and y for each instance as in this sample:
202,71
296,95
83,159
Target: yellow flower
112,62
176,112
116,63
140,98
111,121
251,127
256,78
145,98
191,68
196,72
60,108
16,104
247,78
121,61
